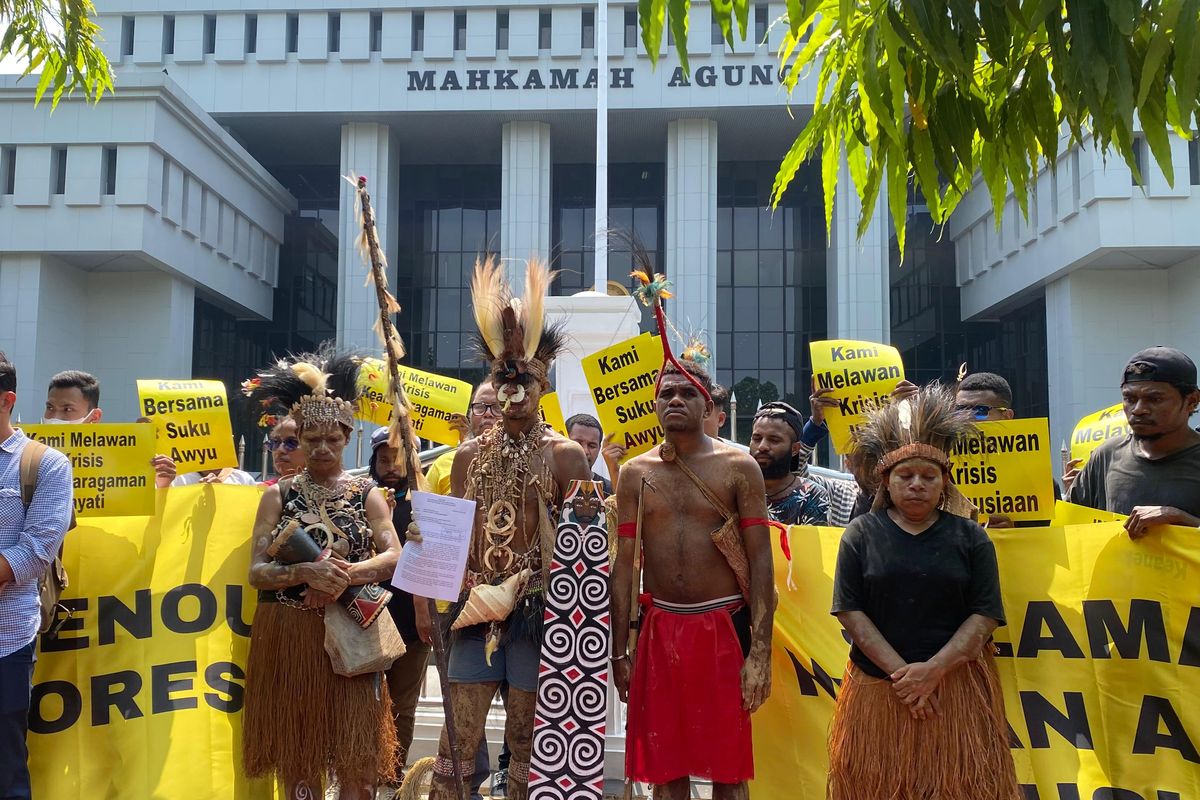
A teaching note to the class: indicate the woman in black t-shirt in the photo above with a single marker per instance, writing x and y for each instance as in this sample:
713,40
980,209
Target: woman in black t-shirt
920,714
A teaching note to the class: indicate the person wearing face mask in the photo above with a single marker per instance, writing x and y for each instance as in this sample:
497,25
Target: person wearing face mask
73,398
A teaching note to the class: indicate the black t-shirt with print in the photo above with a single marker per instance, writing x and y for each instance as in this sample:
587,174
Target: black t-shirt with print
917,590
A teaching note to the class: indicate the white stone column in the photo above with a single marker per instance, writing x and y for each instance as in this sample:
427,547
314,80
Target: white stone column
368,149
857,269
691,227
524,196
1087,350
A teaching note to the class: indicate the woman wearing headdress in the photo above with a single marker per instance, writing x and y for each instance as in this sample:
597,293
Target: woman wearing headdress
920,714
303,723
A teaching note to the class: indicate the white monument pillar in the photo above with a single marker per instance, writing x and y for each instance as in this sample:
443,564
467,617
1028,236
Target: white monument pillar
691,226
524,196
858,269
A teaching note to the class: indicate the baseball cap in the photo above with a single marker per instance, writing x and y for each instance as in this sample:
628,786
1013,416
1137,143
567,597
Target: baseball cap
378,438
1164,364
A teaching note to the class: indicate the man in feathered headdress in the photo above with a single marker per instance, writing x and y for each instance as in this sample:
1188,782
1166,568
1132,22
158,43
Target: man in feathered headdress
702,662
518,473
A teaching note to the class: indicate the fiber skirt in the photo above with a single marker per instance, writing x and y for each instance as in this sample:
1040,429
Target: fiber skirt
878,751
302,722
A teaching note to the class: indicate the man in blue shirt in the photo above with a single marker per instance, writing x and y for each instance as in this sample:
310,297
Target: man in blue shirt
29,540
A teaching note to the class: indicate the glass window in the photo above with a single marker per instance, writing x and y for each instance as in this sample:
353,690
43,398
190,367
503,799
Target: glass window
587,34
418,31
376,31
58,171
127,31
251,33
1193,159
760,23
210,34
631,27
544,21
502,30
335,31
460,30
109,171
168,43
292,32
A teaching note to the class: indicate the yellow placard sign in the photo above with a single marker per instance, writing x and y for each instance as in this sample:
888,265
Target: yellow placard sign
1095,429
861,374
192,420
621,379
1098,664
1071,514
141,693
551,412
1008,469
434,400
110,465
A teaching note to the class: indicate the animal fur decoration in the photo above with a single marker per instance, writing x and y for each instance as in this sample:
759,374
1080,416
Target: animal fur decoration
400,430
927,426
317,388
513,334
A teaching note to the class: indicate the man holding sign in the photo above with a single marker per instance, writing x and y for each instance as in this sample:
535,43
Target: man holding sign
1153,475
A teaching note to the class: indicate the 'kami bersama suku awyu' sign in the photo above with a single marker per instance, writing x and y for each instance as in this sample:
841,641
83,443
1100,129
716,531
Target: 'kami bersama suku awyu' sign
192,420
621,379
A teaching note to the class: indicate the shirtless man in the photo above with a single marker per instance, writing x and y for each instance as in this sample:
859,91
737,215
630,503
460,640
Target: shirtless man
518,474
697,678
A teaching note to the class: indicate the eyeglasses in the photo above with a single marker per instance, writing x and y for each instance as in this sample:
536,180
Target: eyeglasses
288,445
980,412
479,409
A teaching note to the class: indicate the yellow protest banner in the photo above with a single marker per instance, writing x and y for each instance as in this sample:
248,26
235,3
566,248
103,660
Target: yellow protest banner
621,379
434,400
861,374
1099,661
1095,429
141,693
1070,514
1008,469
110,465
551,412
192,420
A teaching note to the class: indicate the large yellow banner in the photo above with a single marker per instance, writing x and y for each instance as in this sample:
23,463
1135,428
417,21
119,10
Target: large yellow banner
1100,663
140,695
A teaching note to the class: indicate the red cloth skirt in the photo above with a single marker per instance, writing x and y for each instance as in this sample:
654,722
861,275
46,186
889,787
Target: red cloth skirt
685,700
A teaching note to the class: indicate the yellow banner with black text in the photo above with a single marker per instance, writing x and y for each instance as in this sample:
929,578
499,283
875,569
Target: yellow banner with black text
1100,663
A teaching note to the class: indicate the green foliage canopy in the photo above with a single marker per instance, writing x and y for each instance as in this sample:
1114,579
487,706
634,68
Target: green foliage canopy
941,90
57,38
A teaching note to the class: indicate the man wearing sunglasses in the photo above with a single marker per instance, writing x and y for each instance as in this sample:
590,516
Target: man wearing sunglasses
986,396
482,414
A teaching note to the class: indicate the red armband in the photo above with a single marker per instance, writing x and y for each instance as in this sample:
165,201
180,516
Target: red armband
750,522
783,539
627,530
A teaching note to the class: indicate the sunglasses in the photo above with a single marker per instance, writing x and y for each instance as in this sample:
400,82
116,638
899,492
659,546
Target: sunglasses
980,412
288,445
479,409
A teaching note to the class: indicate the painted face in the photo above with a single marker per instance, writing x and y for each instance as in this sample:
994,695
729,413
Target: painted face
773,446
323,445
518,397
1155,409
287,457
915,487
680,405
68,406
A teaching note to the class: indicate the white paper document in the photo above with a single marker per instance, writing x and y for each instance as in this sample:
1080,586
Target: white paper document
434,567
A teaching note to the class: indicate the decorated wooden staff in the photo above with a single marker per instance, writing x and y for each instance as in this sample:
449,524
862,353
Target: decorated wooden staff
401,435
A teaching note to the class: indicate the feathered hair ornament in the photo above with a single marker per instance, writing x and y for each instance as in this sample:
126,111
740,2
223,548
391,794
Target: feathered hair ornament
400,430
925,426
318,388
514,337
653,288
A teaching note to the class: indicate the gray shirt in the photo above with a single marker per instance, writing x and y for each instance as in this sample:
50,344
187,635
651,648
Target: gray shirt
1116,478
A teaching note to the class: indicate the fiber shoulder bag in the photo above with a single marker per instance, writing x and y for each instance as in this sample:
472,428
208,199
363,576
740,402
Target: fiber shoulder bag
355,650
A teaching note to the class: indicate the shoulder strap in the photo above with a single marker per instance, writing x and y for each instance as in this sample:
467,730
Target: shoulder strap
30,465
708,493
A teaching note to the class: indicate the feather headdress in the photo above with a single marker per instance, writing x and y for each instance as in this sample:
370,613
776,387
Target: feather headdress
926,426
514,336
653,288
401,434
318,388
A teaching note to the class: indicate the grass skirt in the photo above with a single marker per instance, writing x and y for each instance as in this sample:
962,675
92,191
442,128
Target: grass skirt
878,751
302,722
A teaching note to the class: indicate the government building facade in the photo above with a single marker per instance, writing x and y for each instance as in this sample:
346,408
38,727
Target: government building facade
197,220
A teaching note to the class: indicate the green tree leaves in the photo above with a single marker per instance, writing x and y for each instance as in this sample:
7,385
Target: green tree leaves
58,39
934,91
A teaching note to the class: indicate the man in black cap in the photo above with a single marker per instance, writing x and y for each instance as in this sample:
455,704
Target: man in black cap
1153,474
776,444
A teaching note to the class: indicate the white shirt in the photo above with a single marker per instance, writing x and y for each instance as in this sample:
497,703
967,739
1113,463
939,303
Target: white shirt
236,477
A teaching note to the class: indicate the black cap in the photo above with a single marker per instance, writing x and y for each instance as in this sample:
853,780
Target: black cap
783,412
1163,364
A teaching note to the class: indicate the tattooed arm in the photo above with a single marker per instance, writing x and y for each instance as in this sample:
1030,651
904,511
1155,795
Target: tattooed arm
387,544
267,574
